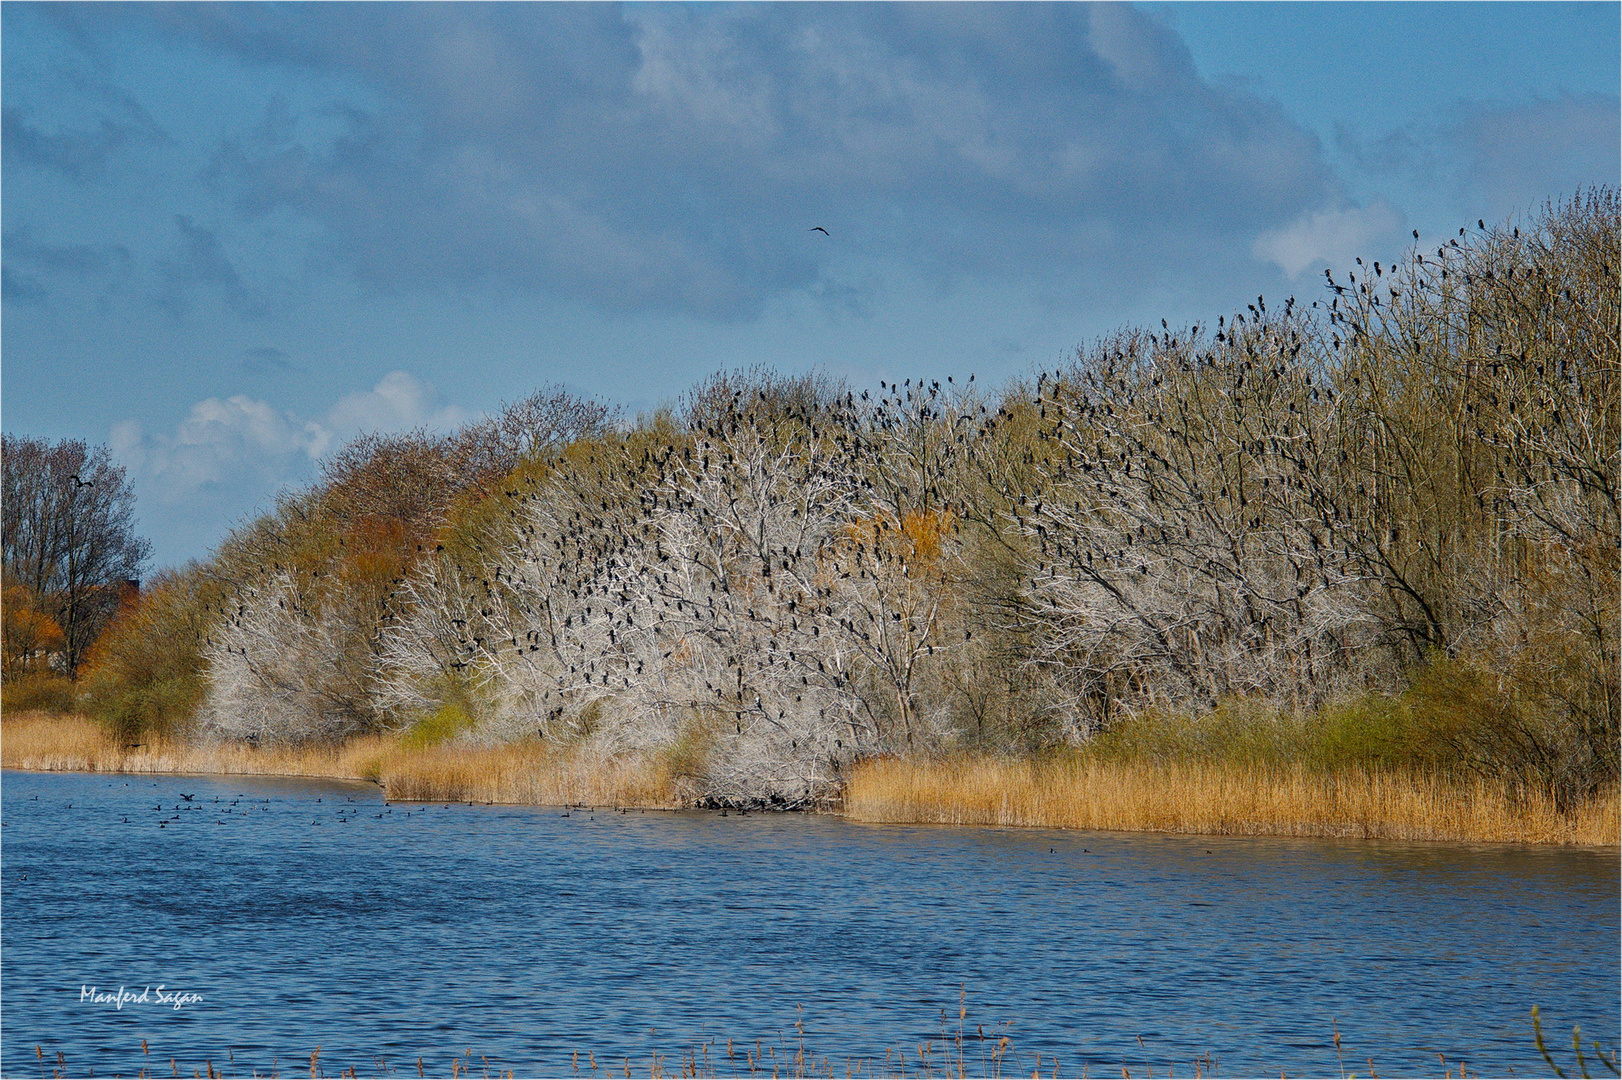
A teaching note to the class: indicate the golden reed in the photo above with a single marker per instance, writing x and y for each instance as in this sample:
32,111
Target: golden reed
43,742
1068,793
1216,799
529,774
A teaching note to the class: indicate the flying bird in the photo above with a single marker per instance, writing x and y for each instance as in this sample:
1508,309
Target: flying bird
818,228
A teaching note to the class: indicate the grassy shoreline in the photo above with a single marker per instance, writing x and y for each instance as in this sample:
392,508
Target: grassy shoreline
528,774
1219,799
1075,792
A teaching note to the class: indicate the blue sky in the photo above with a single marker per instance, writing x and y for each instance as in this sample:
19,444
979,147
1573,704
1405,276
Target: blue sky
236,235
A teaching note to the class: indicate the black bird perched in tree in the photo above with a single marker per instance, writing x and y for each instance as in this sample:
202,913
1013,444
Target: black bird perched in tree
82,483
820,229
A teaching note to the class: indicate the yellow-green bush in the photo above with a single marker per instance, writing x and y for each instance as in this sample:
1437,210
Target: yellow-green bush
38,690
442,725
1368,732
1246,730
145,672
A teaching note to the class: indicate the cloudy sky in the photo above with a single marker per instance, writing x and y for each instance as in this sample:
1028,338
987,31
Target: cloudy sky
234,236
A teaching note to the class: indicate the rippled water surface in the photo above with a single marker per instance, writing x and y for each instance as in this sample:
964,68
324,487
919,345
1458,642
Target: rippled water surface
303,918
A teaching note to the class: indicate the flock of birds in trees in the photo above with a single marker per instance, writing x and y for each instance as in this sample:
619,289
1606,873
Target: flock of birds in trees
794,579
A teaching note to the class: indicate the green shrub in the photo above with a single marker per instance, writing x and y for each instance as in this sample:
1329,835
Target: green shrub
1241,730
145,672
38,690
1374,731
1496,725
440,726
1455,718
689,755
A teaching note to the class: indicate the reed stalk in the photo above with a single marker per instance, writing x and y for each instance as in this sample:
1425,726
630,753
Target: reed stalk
1218,798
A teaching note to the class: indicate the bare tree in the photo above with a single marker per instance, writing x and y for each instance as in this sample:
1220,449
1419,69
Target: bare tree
741,595
1174,558
543,423
280,669
69,534
414,475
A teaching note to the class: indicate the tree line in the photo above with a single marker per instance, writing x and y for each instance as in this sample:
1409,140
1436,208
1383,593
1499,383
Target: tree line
69,553
1401,491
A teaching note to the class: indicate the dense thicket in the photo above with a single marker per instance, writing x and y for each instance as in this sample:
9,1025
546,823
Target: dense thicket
1393,508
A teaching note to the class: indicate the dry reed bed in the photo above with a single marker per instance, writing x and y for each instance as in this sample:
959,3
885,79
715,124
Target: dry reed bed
46,743
1075,793
1216,799
524,774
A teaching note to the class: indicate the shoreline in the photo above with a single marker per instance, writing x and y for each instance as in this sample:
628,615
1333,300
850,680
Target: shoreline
1075,792
1222,799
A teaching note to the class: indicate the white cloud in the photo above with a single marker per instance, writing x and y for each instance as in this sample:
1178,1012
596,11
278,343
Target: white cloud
240,440
399,400
693,70
1329,237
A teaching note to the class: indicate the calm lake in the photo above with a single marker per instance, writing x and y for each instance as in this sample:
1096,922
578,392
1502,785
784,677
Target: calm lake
310,913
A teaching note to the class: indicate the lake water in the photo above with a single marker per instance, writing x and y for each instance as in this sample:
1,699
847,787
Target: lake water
302,918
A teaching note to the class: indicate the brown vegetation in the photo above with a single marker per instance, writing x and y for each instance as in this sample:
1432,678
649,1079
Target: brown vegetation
1218,798
526,774
1071,792
45,742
